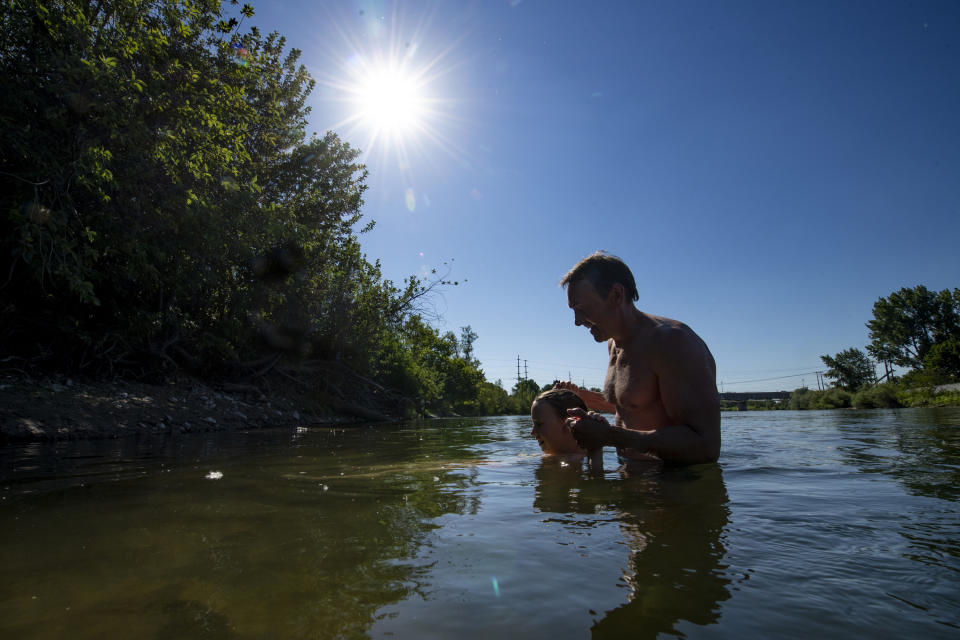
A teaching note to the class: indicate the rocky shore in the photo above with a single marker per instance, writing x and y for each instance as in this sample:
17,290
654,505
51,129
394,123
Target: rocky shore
56,408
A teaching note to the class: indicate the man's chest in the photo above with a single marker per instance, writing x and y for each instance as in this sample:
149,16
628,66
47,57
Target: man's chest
631,382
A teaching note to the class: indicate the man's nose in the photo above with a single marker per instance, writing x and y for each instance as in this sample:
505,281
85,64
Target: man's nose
577,318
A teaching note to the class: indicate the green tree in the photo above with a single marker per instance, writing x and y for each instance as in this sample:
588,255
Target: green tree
162,208
851,369
910,321
493,399
462,386
943,359
161,205
467,337
522,396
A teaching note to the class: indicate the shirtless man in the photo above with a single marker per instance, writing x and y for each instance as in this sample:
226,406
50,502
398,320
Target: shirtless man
661,377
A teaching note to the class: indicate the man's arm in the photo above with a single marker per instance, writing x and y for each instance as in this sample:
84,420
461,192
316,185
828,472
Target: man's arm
592,399
688,390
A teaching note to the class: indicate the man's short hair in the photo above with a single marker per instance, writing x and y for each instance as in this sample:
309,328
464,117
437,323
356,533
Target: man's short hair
561,400
602,270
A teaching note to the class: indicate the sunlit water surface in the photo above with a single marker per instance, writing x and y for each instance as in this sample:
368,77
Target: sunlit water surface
813,524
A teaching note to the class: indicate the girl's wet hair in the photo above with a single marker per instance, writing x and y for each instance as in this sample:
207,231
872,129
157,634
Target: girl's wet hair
561,400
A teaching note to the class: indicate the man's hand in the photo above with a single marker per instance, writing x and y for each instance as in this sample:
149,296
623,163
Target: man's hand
569,386
590,429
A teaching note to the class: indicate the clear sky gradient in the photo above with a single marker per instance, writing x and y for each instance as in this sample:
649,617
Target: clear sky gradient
768,170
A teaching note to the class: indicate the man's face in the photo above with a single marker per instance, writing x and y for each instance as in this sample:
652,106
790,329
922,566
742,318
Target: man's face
590,310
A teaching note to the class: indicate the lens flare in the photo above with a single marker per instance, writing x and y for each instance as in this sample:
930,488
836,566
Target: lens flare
392,91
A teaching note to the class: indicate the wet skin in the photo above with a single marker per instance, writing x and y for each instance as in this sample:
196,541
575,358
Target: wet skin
551,430
660,383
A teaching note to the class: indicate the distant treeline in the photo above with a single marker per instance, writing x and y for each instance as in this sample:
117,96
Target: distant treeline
884,395
164,211
913,328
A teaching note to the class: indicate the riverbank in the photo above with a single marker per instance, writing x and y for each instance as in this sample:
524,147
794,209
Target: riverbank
56,408
890,395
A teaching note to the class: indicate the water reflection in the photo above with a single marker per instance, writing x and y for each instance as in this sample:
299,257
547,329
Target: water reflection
671,519
921,450
302,541
928,442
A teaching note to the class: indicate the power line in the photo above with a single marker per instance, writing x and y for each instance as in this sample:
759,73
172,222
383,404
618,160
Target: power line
796,375
795,368
552,364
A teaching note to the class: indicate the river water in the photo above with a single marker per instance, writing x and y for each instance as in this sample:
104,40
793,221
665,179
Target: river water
813,524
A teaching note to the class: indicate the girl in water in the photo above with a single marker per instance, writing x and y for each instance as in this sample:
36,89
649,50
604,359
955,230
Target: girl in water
550,428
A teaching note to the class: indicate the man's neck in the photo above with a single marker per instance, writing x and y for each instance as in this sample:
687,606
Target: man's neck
631,322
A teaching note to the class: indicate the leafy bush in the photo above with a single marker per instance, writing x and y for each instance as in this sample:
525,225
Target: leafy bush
928,397
876,397
800,399
835,398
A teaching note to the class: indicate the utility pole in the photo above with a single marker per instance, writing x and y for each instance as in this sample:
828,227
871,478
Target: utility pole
518,370
525,376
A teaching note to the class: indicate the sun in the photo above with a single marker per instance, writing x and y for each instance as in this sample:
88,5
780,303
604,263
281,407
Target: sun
390,96
390,102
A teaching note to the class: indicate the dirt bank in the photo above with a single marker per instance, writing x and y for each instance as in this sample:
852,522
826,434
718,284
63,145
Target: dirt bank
67,408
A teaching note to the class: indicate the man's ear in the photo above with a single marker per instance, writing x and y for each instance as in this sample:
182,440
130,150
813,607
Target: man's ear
618,293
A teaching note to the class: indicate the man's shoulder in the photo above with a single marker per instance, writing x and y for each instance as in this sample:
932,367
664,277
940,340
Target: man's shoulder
668,331
673,339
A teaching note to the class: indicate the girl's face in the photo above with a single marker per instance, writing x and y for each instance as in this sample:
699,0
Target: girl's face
551,431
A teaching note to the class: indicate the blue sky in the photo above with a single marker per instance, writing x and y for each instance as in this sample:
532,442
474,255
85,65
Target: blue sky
767,170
